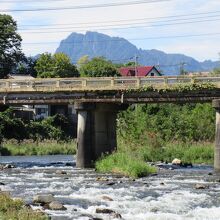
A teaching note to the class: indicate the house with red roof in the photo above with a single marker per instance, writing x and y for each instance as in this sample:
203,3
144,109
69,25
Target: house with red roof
140,71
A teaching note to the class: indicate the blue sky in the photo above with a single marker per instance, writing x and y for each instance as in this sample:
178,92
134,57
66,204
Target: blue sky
157,15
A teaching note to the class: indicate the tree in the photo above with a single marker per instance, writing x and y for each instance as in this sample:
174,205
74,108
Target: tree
27,67
99,67
216,71
10,45
83,60
131,63
55,66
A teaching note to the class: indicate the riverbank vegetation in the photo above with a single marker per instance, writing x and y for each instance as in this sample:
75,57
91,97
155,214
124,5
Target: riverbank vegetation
15,209
53,135
125,164
149,133
44,147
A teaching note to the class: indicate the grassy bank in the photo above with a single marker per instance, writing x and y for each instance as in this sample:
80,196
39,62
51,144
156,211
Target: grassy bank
28,148
125,164
15,209
161,132
191,152
130,159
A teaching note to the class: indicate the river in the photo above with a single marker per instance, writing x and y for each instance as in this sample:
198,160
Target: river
170,195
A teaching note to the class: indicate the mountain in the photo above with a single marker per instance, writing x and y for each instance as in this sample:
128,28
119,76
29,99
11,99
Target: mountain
120,50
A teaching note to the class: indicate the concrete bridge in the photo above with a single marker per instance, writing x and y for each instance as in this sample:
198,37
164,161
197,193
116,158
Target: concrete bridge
97,101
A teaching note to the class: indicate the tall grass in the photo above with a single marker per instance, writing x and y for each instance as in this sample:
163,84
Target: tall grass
125,164
191,152
131,157
14,209
46,147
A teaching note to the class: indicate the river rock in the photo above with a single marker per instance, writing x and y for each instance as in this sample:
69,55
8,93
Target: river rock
43,198
110,183
107,198
102,179
108,211
200,186
90,217
116,215
55,205
61,172
6,166
176,162
5,193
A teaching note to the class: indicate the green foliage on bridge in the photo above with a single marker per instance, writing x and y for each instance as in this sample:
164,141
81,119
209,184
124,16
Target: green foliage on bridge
55,66
10,45
98,67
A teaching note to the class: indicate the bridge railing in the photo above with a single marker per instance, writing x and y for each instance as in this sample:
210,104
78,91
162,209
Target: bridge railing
104,83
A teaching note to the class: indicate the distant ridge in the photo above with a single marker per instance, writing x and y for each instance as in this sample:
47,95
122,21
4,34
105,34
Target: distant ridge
120,50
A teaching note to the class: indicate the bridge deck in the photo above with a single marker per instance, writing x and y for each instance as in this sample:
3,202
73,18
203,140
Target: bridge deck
110,90
100,84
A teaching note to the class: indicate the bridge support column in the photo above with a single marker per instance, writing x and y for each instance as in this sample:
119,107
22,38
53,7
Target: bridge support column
84,134
216,105
96,132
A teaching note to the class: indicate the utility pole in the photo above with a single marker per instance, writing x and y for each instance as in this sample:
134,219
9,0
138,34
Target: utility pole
136,63
182,64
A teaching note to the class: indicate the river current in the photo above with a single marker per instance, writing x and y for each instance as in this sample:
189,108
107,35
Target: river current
170,195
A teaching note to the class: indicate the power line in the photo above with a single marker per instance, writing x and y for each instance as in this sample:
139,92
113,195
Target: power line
26,1
117,21
133,39
85,6
118,27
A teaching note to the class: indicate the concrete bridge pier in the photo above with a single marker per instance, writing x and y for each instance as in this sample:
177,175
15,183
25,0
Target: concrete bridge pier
96,131
216,105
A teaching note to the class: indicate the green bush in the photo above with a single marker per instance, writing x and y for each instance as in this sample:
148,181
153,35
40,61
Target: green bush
57,127
170,122
125,164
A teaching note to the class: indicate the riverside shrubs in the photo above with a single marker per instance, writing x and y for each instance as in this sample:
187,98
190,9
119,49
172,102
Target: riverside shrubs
52,135
125,164
161,132
45,147
56,127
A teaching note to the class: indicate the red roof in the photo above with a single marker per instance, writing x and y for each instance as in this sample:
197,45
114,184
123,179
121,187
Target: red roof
141,71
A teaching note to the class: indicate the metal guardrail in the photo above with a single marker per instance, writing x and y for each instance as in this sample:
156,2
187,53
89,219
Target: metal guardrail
104,83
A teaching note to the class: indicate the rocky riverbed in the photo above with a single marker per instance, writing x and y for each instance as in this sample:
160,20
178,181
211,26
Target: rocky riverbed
186,193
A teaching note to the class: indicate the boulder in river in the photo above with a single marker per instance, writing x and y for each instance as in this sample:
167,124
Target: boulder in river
6,166
6,193
107,198
43,198
108,211
90,217
201,186
176,162
55,205
102,179
61,172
